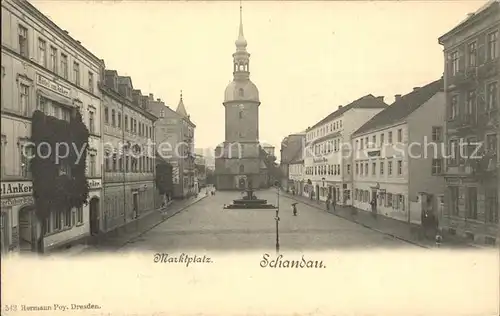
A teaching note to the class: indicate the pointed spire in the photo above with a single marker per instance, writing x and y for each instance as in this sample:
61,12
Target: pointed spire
241,42
181,109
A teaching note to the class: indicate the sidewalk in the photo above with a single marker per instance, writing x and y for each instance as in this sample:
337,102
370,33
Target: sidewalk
404,231
119,237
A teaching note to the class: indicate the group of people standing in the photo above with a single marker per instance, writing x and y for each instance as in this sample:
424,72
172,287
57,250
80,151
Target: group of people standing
330,201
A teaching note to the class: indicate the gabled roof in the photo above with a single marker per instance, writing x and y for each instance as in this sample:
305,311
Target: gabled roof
403,107
366,102
125,80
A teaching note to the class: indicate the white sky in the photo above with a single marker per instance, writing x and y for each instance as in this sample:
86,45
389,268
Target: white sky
306,57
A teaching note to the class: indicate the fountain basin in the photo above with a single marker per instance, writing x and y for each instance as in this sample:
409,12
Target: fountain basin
250,201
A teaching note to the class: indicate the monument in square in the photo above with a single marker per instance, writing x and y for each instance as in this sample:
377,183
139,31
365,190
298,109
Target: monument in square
239,159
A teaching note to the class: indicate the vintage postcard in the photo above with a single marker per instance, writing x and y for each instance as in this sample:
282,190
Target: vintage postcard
250,157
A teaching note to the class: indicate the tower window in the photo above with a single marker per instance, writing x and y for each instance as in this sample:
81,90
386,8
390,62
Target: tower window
242,168
241,92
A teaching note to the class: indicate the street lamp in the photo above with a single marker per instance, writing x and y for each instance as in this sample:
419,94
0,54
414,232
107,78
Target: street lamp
277,218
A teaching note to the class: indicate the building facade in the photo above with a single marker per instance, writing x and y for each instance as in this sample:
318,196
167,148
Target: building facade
328,162
471,79
398,157
200,172
43,68
239,159
129,153
175,141
292,152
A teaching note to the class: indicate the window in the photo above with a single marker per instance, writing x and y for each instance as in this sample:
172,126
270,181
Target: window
437,167
241,92
453,152
382,139
76,73
106,115
455,67
91,82
400,167
92,165
24,99
472,54
491,96
437,133
42,105
374,140
23,41
64,66
381,168
357,168
390,138
400,135
348,169
79,215
472,202
361,144
57,220
26,154
126,122
491,143
389,168
67,218
42,52
453,107
53,59
471,102
493,45
453,200
119,120
374,168
389,199
91,122
491,205
162,113
366,168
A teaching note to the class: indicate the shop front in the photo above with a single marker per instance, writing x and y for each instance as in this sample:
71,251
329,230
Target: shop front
18,230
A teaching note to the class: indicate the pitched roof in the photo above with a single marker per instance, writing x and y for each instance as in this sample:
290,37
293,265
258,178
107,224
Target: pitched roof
366,102
403,107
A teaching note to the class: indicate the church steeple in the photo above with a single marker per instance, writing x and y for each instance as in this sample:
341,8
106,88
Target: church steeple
241,57
181,109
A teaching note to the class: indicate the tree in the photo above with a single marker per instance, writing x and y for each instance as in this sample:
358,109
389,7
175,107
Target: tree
164,173
58,168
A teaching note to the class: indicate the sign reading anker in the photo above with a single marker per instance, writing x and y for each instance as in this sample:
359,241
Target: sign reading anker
50,84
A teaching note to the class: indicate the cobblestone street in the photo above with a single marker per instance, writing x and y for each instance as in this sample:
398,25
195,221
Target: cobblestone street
207,226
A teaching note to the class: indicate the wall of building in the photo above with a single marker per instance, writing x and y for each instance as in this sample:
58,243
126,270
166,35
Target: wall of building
39,69
242,124
421,123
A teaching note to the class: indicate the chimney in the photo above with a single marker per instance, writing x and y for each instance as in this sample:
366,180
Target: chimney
158,100
65,31
151,97
381,98
340,106
78,42
470,14
397,97
416,88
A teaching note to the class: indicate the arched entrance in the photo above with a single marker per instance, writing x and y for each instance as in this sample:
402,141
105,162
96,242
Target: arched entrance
94,216
28,236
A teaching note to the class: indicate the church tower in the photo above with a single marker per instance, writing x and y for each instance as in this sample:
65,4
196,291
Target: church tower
238,160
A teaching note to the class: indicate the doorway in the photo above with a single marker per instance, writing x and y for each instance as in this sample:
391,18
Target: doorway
317,192
135,204
27,230
94,216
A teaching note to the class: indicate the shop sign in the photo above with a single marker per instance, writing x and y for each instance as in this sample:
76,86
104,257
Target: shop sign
50,84
16,188
94,184
22,200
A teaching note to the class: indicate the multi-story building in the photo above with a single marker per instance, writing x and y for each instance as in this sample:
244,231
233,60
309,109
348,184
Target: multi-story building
327,159
296,170
43,68
471,81
175,141
291,152
398,156
129,152
200,172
